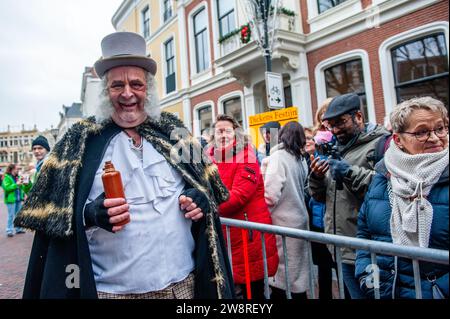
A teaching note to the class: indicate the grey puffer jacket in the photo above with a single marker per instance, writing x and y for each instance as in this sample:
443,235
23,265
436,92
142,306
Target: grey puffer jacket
359,153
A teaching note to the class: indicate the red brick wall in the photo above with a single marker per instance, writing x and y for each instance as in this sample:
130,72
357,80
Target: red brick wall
370,41
365,3
214,95
304,16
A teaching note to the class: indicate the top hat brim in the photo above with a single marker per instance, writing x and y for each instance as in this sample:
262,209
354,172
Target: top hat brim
103,65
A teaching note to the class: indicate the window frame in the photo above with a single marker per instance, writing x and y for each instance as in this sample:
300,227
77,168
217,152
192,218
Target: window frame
399,85
167,62
145,22
225,15
166,17
341,58
232,95
384,53
204,38
321,12
196,109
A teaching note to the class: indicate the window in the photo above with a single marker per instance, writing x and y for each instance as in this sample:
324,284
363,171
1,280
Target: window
201,40
145,14
421,68
170,66
167,10
205,117
232,107
226,16
288,96
325,5
347,77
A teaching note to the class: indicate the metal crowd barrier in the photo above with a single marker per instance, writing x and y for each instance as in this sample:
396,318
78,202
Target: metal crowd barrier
374,247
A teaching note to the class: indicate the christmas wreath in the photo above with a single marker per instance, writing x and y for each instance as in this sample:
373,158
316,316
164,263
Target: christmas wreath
245,33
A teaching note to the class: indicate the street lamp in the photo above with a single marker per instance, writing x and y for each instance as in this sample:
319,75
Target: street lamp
258,13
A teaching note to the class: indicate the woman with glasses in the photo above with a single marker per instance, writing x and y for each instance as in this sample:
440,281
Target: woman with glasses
407,202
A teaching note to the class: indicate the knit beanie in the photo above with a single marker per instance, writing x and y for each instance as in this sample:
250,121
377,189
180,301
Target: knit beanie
42,141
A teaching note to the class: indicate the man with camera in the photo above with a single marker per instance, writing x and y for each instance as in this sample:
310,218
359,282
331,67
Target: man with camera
342,180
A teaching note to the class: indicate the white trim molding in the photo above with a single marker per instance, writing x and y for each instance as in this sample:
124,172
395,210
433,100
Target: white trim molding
183,46
318,21
384,52
231,95
196,123
378,13
341,58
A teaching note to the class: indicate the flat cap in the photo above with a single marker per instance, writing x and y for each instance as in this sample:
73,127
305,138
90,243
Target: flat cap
342,104
269,125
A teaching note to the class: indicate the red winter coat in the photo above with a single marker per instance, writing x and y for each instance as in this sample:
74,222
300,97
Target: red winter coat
241,175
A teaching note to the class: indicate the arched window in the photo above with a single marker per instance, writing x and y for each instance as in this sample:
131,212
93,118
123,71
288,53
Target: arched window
233,107
421,68
345,78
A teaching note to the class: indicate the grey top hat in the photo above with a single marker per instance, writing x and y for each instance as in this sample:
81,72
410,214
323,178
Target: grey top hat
123,49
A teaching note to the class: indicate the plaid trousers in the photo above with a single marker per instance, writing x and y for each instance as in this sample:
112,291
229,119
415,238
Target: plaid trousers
179,290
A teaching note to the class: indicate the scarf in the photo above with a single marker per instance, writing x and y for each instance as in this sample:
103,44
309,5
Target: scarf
412,178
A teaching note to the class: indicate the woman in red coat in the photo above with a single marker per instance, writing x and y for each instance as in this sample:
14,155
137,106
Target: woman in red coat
239,171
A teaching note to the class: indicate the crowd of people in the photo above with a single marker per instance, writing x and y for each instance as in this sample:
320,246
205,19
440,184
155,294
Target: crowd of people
164,239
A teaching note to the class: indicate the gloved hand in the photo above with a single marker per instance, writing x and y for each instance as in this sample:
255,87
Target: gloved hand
338,169
198,198
96,214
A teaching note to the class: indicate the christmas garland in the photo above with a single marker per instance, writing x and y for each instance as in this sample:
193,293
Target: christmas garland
246,33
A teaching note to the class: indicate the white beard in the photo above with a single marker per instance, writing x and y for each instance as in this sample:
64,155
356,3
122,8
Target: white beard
151,103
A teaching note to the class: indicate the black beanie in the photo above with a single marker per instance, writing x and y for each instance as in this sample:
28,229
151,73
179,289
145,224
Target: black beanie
42,141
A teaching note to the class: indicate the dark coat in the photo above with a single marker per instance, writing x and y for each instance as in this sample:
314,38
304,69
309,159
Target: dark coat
374,224
56,216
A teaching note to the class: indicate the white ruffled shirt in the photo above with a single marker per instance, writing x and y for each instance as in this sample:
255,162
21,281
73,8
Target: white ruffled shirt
156,248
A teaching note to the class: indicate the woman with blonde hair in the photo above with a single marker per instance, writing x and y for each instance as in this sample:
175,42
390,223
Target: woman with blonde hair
321,133
407,201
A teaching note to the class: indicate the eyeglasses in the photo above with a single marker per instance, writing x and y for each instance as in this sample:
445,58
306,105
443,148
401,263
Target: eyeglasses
424,135
120,87
223,131
339,125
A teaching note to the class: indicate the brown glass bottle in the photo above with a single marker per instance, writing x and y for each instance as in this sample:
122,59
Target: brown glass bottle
112,183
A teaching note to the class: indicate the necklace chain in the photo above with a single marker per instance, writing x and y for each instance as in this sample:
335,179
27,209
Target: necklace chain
132,142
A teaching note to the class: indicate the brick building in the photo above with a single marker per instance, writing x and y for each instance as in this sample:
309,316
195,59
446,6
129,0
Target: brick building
384,50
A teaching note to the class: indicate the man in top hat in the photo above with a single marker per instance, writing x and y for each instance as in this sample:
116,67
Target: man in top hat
163,240
356,143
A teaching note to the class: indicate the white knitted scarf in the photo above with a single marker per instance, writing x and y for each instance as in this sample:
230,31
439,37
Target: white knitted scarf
412,177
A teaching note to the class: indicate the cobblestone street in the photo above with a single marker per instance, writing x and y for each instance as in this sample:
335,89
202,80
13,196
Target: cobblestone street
14,254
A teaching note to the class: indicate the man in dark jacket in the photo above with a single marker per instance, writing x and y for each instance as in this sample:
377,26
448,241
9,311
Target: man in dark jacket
352,170
163,240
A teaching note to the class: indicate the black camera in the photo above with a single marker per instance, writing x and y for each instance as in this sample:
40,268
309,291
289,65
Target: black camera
330,149
325,149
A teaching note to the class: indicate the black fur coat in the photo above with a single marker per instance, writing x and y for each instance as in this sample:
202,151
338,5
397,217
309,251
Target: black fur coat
55,206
